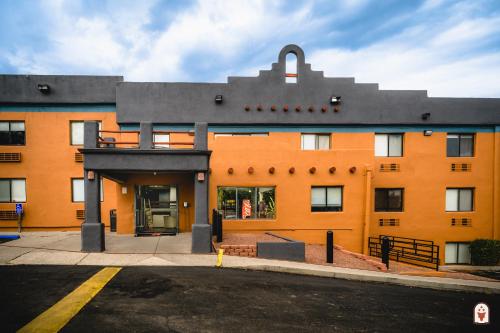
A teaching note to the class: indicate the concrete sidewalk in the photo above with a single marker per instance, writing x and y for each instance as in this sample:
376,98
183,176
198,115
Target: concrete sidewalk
62,248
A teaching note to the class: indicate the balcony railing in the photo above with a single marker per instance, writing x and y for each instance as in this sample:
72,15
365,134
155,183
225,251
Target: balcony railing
147,138
118,139
162,140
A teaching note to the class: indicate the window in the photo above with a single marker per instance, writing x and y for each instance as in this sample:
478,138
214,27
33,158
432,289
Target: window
457,253
459,199
12,133
315,141
389,145
389,199
162,140
78,190
77,132
326,199
460,145
291,68
12,190
246,202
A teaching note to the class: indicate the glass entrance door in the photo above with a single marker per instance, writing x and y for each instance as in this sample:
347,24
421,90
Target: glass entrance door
156,209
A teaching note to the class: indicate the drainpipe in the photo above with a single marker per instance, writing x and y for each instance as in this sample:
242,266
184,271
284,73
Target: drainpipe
496,184
368,200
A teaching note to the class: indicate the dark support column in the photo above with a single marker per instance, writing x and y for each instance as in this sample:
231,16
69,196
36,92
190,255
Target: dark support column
92,229
146,137
200,136
90,134
202,231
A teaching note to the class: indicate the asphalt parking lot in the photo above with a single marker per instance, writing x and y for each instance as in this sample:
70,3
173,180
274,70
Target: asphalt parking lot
192,299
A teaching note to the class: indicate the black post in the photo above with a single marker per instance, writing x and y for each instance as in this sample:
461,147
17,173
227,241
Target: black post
214,222
329,247
385,251
219,227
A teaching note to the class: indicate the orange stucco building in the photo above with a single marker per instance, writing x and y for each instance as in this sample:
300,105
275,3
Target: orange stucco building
297,159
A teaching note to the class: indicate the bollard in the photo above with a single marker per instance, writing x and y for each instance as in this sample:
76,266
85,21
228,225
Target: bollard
329,247
219,258
385,251
214,222
219,227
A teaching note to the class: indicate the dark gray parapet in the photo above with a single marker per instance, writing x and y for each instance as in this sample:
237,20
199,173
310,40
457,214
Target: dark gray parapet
67,89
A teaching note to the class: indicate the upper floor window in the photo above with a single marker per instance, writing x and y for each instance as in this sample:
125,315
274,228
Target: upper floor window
326,198
161,140
12,190
291,68
389,145
12,133
459,199
77,131
460,145
247,202
315,141
389,199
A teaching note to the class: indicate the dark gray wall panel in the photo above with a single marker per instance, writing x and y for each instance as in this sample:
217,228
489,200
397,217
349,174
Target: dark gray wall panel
63,89
361,103
135,160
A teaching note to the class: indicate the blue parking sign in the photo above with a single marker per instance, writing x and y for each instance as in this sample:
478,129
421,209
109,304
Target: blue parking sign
19,209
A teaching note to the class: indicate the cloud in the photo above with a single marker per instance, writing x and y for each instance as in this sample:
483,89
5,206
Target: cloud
446,60
444,46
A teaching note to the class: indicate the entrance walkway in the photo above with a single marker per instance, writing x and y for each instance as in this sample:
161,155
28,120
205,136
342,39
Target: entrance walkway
71,241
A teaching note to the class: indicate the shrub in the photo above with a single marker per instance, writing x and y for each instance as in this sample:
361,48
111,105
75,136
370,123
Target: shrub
485,252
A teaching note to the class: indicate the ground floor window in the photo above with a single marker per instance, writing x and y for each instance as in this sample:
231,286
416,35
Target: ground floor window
12,190
457,253
326,199
247,202
78,190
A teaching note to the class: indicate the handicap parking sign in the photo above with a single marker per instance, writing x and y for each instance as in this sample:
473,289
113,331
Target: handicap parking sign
19,209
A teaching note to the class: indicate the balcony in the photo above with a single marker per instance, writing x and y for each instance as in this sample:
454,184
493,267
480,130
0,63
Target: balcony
112,152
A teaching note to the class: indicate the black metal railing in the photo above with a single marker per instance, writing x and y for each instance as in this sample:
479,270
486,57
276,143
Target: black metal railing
409,250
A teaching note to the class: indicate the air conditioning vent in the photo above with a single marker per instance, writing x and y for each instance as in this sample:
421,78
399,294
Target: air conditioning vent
79,157
389,167
461,222
388,222
80,214
461,167
10,157
8,215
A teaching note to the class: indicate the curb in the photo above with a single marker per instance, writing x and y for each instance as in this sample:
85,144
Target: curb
429,283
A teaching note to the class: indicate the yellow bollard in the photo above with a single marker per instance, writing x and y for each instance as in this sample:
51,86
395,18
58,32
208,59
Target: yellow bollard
219,258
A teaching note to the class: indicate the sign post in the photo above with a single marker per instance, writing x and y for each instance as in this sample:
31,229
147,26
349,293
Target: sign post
19,213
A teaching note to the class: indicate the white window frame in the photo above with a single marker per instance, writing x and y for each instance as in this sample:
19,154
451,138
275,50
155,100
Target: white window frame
452,199
383,144
71,131
83,189
316,137
19,198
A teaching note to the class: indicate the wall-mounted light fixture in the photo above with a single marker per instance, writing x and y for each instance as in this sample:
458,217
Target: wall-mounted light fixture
335,100
427,132
43,88
90,175
200,176
218,99
426,116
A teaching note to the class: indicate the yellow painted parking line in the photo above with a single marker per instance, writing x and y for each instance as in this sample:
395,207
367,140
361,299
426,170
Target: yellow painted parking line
56,317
